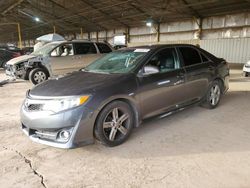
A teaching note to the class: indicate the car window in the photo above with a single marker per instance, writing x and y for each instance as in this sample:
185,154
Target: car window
85,48
165,60
190,56
204,58
63,50
122,61
103,48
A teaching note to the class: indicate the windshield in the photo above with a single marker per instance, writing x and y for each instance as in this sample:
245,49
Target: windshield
44,50
117,62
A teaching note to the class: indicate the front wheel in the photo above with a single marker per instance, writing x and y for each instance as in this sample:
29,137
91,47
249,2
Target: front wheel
38,75
114,123
213,95
245,74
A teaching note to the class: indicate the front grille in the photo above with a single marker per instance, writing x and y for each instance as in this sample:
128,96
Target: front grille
34,107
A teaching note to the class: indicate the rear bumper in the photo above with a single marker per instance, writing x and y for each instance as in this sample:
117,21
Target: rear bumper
45,127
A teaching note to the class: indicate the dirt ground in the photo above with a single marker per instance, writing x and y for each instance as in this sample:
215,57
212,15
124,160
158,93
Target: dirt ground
194,148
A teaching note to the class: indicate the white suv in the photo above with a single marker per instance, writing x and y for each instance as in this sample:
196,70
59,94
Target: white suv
56,58
246,69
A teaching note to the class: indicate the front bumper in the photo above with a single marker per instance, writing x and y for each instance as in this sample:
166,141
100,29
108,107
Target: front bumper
15,71
44,127
246,68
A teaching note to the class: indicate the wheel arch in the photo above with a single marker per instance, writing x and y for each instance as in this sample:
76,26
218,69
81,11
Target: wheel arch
39,65
221,81
130,102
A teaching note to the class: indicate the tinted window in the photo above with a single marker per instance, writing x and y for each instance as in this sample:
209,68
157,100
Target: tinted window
103,48
165,60
85,48
204,59
190,56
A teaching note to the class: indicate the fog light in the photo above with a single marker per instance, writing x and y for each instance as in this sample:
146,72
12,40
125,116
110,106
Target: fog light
64,135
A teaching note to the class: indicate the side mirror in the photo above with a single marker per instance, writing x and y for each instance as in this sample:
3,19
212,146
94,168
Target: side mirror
150,70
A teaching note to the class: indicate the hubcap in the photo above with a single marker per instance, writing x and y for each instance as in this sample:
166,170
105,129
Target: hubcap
214,95
39,76
116,124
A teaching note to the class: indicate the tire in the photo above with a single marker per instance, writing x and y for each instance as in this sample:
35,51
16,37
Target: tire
117,130
38,75
213,95
245,74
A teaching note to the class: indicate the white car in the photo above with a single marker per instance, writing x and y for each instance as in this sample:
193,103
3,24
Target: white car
246,69
55,58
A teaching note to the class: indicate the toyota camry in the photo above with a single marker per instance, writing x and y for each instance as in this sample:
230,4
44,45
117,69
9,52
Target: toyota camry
107,99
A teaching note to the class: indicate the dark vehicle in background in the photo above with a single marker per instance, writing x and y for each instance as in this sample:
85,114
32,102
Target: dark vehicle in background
12,49
6,55
106,99
27,50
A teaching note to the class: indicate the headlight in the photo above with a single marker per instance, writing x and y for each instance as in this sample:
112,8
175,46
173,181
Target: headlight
57,105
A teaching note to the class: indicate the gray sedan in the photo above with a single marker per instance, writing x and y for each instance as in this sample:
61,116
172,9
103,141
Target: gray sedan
105,100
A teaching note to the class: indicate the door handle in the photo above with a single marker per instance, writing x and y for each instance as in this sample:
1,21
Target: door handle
163,82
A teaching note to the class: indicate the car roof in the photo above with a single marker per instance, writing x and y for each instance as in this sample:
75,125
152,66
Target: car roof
156,46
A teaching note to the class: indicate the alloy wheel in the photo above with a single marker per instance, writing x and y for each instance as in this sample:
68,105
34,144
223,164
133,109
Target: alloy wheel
214,95
116,124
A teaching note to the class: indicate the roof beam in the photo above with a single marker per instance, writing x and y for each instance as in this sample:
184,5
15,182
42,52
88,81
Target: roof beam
194,12
11,7
83,17
104,13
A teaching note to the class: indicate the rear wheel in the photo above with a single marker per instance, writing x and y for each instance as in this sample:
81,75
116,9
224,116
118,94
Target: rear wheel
38,75
213,95
114,123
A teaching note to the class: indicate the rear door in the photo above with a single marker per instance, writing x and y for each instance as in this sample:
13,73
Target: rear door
198,72
164,90
85,53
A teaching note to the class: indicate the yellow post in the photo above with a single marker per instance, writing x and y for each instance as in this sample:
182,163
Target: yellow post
54,28
81,33
19,35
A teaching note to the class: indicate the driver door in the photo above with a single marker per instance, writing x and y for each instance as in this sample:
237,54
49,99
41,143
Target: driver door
62,59
163,88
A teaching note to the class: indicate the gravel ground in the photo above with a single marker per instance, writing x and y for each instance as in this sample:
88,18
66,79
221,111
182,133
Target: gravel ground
194,148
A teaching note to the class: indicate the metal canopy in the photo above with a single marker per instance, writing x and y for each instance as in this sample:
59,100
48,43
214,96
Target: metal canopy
96,15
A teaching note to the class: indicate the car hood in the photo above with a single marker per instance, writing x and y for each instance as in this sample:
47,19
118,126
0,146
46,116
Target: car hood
77,83
20,59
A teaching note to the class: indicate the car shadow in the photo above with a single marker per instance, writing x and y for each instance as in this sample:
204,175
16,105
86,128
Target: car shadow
192,131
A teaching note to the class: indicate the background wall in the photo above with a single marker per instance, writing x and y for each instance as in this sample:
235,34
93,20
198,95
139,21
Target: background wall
225,36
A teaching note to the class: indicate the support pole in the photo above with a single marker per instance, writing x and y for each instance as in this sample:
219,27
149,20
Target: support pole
54,28
19,35
158,32
81,33
127,36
